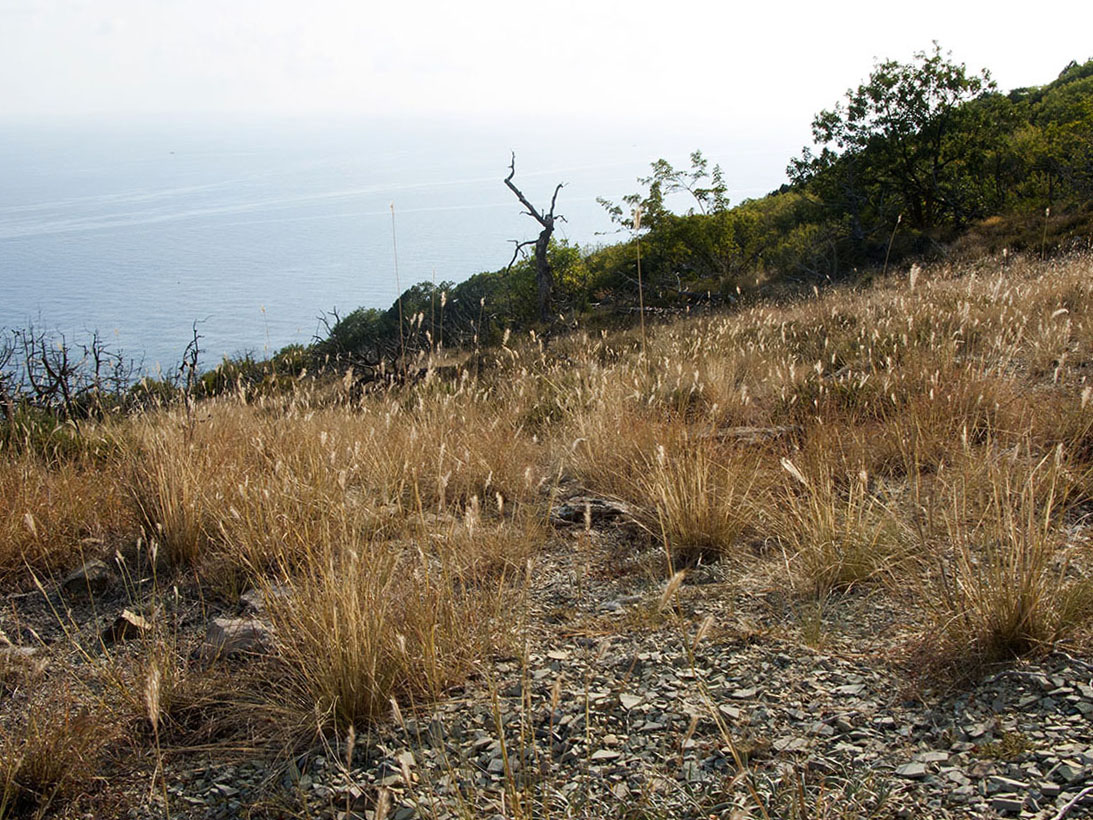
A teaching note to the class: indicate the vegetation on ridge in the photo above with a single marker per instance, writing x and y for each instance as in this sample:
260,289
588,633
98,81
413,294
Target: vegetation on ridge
923,160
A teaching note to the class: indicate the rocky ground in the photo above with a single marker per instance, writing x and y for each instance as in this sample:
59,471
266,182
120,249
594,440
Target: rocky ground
726,699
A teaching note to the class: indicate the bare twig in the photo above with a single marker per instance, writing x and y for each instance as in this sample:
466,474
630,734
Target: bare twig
1065,810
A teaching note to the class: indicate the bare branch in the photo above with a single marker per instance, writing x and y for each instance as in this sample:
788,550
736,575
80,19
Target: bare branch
554,199
516,252
534,214
544,278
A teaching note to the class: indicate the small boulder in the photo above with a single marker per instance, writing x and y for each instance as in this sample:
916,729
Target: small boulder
126,626
94,578
252,601
588,508
231,636
256,601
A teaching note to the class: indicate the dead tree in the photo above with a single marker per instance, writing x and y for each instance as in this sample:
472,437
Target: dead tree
544,277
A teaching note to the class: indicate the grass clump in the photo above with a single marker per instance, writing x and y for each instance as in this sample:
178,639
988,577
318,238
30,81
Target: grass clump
1010,746
49,759
1002,587
702,505
52,515
931,440
836,535
359,624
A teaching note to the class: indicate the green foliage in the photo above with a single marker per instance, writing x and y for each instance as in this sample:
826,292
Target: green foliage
933,144
248,374
572,276
478,310
1065,122
43,432
685,257
897,144
707,189
362,332
149,393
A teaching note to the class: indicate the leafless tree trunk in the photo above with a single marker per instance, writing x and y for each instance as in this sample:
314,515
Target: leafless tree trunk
8,383
544,277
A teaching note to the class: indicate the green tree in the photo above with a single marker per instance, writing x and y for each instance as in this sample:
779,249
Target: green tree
899,140
707,189
1065,118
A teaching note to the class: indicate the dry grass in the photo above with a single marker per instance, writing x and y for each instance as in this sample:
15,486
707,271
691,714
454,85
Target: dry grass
165,488
1002,588
396,531
359,626
837,537
52,514
703,505
936,438
47,758
878,398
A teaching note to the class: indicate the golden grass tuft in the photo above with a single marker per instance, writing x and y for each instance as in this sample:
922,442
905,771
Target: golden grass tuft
703,505
836,534
53,515
1002,587
47,759
359,624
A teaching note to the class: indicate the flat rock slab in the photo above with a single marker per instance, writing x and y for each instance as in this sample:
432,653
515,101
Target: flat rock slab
594,510
126,627
912,771
233,636
1007,805
933,757
1007,785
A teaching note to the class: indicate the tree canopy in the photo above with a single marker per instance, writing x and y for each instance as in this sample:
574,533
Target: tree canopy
900,140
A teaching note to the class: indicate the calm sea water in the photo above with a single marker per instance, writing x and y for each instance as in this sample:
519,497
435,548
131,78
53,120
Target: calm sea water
254,231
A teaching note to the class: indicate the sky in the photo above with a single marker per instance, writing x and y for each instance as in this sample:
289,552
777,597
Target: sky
750,68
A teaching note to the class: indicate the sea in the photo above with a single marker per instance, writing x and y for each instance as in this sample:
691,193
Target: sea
257,233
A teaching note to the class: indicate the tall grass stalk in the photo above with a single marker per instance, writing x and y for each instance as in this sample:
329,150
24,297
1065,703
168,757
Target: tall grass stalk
641,289
398,287
1043,239
891,241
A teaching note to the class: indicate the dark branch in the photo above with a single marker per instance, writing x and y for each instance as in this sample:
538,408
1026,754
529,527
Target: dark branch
534,214
554,199
516,252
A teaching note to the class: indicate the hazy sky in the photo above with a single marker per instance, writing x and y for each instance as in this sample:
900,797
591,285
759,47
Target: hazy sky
754,67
